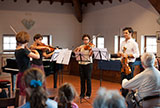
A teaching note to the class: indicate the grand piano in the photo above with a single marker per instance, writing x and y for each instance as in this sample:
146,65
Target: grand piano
12,68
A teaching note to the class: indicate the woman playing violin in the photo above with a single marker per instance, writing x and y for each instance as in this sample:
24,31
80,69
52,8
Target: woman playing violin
41,48
85,67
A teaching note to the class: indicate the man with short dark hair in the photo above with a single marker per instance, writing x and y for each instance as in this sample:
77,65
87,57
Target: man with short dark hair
132,52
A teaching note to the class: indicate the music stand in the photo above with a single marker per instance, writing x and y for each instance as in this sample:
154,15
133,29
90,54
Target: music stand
61,56
101,54
82,56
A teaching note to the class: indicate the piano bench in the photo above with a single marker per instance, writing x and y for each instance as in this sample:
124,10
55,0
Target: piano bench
6,84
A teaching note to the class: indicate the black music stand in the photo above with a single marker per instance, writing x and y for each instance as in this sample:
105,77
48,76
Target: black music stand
61,56
101,54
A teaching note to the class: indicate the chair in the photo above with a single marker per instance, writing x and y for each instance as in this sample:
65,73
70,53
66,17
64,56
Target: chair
6,84
5,102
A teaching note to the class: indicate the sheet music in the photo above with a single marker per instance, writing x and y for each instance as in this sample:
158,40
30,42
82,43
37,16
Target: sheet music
64,56
55,55
67,56
101,53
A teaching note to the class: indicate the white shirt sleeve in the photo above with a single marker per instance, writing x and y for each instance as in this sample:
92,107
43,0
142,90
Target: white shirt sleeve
134,83
136,50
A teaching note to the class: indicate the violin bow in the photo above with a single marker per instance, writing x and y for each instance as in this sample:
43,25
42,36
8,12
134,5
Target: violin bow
12,28
94,37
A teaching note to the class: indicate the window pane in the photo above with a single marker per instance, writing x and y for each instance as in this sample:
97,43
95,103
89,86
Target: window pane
151,44
121,39
45,40
12,46
9,42
100,42
94,40
5,39
5,46
116,44
12,40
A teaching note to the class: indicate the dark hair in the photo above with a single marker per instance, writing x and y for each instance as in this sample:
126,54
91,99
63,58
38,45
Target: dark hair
66,94
86,35
130,30
37,36
22,37
38,95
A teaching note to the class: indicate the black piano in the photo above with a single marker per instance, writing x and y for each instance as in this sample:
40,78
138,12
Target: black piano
49,68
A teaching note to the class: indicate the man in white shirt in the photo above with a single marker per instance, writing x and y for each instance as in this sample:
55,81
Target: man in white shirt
147,83
132,52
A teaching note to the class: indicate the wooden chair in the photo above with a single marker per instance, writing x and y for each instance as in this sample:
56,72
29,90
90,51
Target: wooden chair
14,101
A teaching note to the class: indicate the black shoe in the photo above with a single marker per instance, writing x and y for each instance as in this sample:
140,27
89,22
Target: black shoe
81,96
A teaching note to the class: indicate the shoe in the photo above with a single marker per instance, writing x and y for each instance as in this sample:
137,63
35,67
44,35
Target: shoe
81,96
87,97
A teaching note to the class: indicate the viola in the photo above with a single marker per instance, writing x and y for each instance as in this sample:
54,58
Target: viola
125,66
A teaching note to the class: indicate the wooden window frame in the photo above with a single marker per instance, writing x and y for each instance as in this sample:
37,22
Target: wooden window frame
9,35
145,40
97,40
49,40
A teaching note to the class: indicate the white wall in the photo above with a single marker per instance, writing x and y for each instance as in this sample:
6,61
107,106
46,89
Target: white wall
108,19
56,20
59,21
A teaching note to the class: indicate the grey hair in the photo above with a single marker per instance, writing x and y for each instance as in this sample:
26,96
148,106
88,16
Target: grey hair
109,99
148,59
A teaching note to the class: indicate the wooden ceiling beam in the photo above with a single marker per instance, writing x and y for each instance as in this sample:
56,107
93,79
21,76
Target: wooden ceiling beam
101,1
15,0
28,1
39,1
110,1
78,10
156,4
93,2
51,1
86,4
62,2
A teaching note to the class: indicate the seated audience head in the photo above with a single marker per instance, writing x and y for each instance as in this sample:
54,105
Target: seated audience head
66,93
22,37
148,60
34,79
109,99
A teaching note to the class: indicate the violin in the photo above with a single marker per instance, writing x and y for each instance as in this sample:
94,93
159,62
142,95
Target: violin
125,66
50,47
88,46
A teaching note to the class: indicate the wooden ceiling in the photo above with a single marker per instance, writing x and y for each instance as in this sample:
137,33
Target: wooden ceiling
79,3
156,4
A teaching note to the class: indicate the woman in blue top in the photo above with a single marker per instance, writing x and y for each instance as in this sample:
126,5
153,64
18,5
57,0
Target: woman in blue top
34,79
